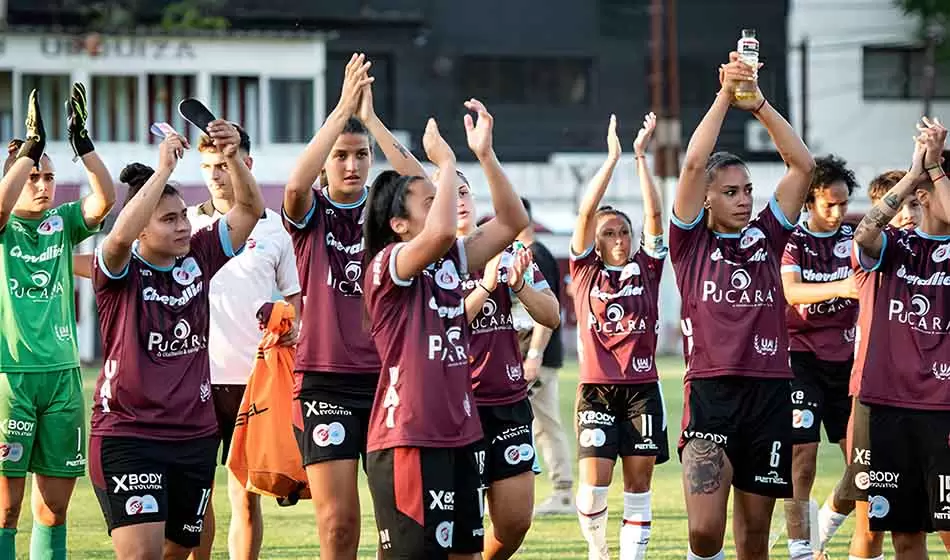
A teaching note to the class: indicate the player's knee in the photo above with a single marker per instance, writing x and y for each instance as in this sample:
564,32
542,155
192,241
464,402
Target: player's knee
9,516
591,500
514,528
909,544
805,472
753,541
705,540
340,529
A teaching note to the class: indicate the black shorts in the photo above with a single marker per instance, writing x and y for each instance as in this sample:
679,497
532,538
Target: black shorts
859,453
908,482
751,420
331,415
508,443
621,420
147,481
227,403
428,502
819,396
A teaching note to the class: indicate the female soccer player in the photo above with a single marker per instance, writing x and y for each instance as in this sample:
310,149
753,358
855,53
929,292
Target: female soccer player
821,314
847,497
905,360
337,364
498,382
154,432
738,418
41,397
620,409
424,465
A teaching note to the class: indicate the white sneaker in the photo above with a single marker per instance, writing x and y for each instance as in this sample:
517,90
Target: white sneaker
561,502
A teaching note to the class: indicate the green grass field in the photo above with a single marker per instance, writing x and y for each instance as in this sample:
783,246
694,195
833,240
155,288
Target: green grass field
291,532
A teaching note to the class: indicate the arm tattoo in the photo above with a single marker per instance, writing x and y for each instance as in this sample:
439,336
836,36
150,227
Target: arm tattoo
402,150
703,461
880,215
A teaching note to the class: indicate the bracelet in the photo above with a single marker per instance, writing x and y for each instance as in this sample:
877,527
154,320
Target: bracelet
759,108
523,284
937,178
482,286
932,167
640,156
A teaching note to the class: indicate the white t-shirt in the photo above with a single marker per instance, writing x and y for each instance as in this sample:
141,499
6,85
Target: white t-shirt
266,270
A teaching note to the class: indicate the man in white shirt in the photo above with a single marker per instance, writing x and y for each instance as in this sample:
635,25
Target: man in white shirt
265,268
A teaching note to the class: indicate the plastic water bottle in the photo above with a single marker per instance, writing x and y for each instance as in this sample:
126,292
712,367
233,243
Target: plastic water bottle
528,276
748,49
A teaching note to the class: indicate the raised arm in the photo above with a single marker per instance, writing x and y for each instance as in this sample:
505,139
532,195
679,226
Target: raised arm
438,233
691,188
934,136
298,194
510,214
398,156
248,202
541,304
652,213
97,204
27,157
476,298
792,189
585,226
868,233
117,246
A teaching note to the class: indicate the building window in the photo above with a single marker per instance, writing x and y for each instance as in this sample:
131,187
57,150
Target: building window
526,81
291,111
52,91
897,73
114,106
165,92
237,99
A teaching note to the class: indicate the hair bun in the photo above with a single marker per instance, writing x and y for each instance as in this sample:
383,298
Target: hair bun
136,174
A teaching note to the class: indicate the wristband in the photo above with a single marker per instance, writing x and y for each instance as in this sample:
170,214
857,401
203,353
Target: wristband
533,354
523,284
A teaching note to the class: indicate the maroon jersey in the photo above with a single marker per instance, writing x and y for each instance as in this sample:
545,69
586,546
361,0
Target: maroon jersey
494,352
733,306
329,249
866,282
907,356
155,382
825,328
424,397
617,314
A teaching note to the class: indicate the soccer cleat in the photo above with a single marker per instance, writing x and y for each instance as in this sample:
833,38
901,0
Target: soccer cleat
196,113
77,113
35,142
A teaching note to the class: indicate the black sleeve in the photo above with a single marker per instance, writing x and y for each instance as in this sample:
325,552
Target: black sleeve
549,268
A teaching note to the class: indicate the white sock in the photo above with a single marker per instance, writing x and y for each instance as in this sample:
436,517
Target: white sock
853,557
635,531
799,549
829,521
592,515
721,555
